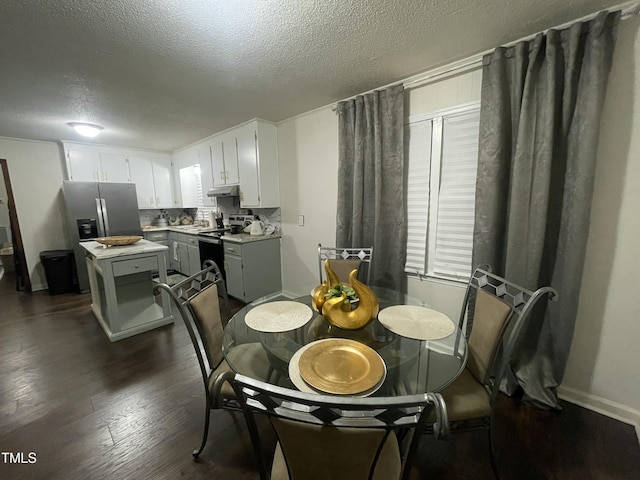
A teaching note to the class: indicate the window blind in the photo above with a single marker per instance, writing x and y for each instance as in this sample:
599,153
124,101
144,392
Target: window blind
456,196
418,142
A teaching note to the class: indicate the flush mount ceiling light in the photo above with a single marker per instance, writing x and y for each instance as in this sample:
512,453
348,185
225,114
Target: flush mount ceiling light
86,129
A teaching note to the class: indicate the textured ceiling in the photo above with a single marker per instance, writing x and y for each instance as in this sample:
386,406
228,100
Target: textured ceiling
161,74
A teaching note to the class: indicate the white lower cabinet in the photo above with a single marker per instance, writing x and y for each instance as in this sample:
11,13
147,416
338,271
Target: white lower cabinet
252,268
161,237
174,253
184,253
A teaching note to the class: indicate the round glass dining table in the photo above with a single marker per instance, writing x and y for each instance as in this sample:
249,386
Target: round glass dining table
412,366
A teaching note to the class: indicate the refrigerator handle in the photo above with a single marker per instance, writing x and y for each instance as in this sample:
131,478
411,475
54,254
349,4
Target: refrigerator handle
105,217
100,219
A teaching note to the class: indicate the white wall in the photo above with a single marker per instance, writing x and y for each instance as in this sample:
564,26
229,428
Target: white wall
36,171
602,373
603,368
4,210
308,164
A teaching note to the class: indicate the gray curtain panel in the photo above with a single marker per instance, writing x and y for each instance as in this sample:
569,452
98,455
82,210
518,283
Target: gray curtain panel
371,182
540,113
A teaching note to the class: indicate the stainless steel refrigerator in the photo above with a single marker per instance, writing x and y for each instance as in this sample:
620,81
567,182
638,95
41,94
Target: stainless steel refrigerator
96,209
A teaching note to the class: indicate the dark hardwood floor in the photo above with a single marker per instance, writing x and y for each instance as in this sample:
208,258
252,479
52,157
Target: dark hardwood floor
91,409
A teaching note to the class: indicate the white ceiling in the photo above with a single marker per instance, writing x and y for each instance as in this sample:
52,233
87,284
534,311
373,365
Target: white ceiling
162,74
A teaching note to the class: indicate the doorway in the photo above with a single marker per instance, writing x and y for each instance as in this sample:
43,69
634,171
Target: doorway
20,273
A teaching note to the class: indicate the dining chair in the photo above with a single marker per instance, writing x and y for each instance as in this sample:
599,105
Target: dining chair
322,437
197,301
343,260
493,315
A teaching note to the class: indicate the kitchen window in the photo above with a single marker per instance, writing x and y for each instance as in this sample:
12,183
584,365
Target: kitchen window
442,152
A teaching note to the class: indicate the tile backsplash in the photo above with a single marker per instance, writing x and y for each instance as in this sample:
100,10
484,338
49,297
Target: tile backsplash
226,206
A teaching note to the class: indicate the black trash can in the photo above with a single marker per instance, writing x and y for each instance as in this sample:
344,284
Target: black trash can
58,268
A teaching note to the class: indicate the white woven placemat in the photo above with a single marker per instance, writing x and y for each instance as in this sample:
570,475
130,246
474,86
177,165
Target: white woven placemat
416,322
278,316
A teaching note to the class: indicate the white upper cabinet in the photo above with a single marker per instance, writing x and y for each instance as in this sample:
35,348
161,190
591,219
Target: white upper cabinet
189,176
83,165
248,166
142,175
224,159
150,171
218,165
206,173
114,167
257,144
152,176
89,164
246,155
163,182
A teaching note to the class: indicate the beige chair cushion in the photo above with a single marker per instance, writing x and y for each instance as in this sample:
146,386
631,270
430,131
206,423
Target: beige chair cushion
466,398
321,452
489,320
342,268
206,309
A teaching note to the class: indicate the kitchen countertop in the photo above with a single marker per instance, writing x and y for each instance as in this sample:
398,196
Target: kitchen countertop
100,251
229,237
189,229
246,237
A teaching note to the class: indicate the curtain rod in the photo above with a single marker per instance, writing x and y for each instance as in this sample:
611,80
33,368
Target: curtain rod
628,10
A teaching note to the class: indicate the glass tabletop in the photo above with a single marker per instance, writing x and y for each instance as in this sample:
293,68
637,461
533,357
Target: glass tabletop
412,366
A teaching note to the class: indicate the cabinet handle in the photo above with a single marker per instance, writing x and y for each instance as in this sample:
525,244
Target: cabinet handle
221,175
157,201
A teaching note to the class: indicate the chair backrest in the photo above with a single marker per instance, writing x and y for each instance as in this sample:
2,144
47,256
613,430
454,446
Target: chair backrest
196,299
493,314
326,437
343,260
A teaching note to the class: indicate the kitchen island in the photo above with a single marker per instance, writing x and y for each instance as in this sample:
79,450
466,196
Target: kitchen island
120,278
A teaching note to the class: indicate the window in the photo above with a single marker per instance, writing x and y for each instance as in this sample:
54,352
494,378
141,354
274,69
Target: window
442,151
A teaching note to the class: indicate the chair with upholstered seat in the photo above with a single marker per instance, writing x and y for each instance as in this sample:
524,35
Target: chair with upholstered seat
494,313
343,260
326,437
197,301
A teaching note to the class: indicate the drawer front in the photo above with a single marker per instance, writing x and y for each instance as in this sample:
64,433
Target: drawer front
182,237
192,239
155,236
137,265
232,249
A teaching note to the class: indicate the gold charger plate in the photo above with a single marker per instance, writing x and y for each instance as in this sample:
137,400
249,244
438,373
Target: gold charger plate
119,240
300,384
341,366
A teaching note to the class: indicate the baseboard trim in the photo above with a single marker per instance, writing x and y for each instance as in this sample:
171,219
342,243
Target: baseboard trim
290,294
614,410
36,287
